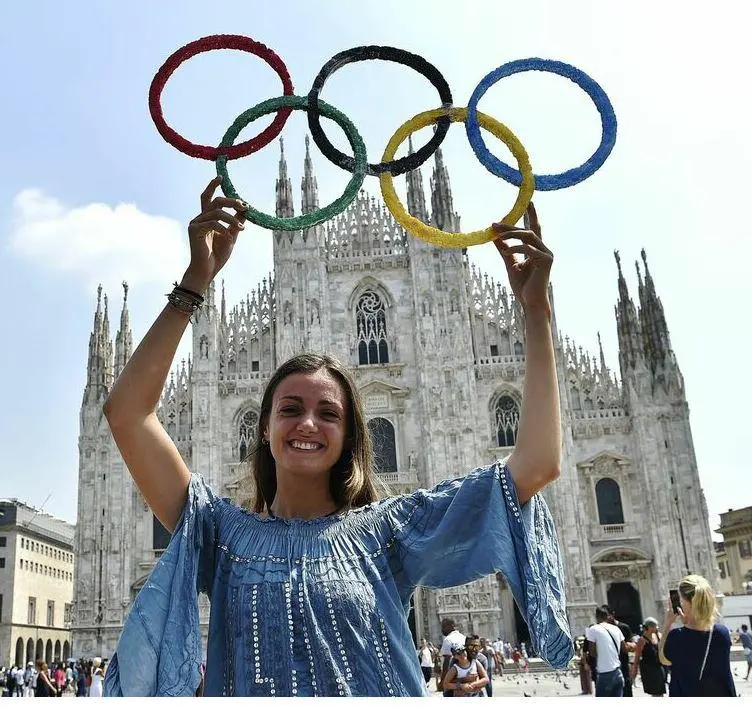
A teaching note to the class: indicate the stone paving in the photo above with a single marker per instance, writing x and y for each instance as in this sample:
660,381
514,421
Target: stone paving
567,683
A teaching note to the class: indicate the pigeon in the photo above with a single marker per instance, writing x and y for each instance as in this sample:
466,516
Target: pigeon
524,693
566,686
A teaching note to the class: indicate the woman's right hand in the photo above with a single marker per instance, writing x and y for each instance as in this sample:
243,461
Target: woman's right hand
212,236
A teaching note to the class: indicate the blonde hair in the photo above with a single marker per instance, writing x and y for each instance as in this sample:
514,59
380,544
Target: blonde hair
697,590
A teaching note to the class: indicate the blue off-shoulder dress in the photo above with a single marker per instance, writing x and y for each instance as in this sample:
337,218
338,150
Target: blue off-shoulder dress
319,608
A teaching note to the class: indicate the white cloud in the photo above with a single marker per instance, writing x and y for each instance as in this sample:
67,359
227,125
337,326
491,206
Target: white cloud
97,243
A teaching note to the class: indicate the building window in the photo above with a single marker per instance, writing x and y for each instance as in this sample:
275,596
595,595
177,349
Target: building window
67,613
722,568
370,319
384,448
1,608
254,366
247,433
32,615
745,548
3,541
608,497
160,535
50,613
2,562
507,418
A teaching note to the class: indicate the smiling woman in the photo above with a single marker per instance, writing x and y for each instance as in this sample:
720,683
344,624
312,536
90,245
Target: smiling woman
311,590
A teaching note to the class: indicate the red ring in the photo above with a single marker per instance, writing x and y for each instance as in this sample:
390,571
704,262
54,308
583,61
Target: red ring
205,44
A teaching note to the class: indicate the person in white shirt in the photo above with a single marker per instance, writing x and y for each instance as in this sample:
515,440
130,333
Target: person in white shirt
605,643
426,660
451,637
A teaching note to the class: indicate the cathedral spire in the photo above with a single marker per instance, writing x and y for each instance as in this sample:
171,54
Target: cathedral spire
442,205
627,325
309,187
285,207
124,338
604,369
223,307
100,354
416,198
653,322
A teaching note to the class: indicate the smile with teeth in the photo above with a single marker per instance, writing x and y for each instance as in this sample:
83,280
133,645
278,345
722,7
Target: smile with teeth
297,444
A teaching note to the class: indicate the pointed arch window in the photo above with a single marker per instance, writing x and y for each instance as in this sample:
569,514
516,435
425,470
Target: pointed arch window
247,433
507,420
370,319
608,498
384,447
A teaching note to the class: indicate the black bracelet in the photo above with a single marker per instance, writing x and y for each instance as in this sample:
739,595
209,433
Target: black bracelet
194,294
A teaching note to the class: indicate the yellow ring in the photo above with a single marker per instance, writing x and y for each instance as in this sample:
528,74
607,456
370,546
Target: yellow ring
432,234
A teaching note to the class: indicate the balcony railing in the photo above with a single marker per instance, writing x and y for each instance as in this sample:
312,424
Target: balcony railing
613,531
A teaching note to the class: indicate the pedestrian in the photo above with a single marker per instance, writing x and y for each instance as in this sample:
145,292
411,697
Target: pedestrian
452,637
586,677
81,680
18,675
486,651
318,550
97,676
646,660
426,660
629,646
606,645
699,653
466,675
60,679
45,686
746,639
10,681
30,679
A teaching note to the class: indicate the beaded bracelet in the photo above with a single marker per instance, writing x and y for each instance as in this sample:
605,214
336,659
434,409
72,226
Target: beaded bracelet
194,294
184,300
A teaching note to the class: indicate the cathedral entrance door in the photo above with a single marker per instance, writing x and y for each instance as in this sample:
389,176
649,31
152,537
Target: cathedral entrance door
624,599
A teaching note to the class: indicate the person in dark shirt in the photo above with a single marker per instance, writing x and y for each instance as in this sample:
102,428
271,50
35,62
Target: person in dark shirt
699,652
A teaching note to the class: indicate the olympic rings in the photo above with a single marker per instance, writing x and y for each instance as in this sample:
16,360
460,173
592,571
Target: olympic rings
312,218
523,178
389,54
206,44
433,234
544,182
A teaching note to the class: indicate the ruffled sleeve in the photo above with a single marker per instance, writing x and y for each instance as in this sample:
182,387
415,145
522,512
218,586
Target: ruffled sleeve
473,526
159,651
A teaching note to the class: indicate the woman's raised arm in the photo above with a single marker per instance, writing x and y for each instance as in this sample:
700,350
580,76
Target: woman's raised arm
150,455
536,458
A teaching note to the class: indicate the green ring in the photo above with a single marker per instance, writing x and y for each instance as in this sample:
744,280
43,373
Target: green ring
312,218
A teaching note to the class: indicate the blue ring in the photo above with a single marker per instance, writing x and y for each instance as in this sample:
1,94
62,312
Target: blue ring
543,182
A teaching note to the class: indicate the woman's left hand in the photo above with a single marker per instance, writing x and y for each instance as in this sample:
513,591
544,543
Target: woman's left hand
529,277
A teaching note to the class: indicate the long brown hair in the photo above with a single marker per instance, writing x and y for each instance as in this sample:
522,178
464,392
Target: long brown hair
351,481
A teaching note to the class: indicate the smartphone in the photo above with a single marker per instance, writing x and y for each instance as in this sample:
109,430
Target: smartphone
675,603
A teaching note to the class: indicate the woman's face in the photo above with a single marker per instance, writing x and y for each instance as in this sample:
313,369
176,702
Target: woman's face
307,424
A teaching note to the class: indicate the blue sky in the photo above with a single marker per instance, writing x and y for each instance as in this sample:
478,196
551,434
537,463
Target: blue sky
90,193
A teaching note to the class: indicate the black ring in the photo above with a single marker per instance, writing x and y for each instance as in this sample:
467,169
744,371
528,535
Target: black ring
389,54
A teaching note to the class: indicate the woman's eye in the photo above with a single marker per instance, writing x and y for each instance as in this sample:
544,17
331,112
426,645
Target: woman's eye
288,410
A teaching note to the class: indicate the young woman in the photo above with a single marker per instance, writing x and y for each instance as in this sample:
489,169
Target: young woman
699,652
646,660
44,686
466,676
318,552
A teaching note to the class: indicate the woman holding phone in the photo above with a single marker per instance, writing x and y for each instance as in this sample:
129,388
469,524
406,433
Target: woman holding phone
699,652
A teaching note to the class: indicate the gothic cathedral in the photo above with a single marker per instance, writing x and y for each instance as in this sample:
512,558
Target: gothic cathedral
439,353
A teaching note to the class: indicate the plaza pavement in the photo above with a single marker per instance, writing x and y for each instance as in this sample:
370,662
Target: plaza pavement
567,683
